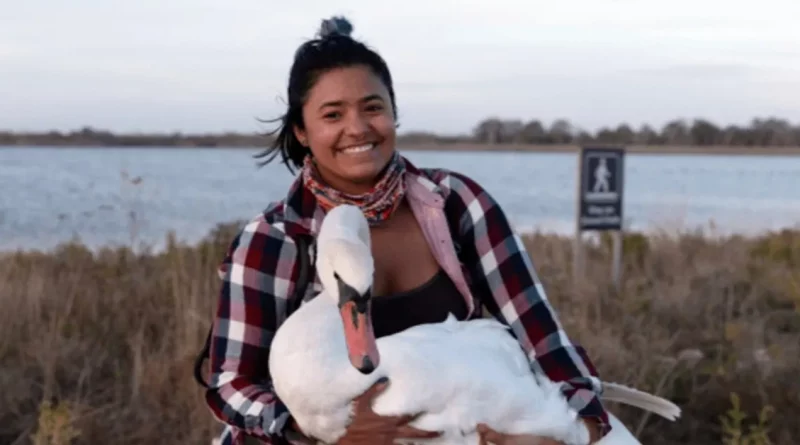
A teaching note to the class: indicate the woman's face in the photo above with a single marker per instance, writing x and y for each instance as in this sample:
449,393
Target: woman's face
349,127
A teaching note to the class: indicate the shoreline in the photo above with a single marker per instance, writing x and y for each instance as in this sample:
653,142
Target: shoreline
727,150
472,147
157,245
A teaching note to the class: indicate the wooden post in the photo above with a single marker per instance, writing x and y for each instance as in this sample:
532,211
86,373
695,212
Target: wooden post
577,257
577,244
616,265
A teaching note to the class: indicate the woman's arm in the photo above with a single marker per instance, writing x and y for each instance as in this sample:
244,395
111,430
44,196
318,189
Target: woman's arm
505,280
257,276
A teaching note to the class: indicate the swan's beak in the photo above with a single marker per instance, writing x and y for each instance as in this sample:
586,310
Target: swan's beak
359,336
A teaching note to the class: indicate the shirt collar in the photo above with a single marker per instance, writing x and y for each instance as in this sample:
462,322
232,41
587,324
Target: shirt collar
303,215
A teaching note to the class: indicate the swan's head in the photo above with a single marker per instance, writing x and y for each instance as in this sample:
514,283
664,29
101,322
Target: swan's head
345,267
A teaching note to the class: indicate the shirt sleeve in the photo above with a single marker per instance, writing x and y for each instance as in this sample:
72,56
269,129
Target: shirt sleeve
257,275
505,281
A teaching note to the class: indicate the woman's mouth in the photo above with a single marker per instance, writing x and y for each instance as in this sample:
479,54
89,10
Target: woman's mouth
358,148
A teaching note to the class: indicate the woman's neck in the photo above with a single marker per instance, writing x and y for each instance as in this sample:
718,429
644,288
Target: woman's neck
377,199
347,186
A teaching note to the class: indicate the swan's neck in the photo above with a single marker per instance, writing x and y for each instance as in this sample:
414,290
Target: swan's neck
312,345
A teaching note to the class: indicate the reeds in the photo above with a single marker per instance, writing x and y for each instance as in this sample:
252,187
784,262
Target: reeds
97,347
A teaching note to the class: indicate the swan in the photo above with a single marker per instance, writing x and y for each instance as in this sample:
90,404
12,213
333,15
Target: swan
459,373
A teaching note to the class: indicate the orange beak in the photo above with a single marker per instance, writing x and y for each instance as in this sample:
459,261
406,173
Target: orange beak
354,309
359,336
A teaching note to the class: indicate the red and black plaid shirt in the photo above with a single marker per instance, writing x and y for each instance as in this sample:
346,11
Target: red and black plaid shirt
259,274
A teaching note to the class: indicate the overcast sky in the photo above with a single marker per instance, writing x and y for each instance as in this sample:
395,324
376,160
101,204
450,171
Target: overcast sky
215,65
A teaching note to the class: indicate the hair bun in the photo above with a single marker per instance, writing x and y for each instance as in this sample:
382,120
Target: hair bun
335,25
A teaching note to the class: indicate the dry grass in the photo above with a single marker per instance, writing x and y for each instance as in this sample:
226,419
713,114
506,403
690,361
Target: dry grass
97,348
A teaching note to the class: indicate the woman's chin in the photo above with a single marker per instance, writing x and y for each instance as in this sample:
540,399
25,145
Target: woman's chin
361,170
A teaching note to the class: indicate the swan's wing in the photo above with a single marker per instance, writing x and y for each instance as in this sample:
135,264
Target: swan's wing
480,327
640,399
440,361
485,338
490,340
462,373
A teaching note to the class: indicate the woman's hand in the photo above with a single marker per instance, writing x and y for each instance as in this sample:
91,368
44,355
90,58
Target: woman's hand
490,436
370,428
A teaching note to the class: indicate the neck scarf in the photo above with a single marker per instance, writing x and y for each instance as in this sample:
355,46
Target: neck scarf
378,204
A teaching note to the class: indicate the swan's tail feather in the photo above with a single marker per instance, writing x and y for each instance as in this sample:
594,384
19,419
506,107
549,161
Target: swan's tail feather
629,396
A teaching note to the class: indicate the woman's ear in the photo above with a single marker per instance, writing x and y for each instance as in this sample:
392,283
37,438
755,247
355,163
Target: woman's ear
301,136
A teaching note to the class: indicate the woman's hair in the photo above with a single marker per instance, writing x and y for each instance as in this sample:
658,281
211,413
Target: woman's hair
333,48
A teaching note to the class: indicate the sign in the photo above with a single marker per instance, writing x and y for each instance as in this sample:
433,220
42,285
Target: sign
601,188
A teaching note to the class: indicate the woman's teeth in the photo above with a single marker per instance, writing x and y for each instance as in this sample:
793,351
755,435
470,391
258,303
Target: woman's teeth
359,149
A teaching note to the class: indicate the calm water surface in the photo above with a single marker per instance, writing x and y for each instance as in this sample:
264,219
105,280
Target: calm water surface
114,196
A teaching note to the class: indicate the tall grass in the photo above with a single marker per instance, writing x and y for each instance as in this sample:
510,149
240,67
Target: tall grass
97,347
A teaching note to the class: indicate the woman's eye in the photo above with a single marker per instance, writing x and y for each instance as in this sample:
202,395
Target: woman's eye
374,107
332,115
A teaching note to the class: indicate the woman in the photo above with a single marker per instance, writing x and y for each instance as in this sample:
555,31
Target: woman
340,130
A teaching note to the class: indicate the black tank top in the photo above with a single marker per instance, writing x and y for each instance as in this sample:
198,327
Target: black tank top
428,303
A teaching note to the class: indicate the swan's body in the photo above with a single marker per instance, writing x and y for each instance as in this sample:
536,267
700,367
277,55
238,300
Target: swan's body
459,374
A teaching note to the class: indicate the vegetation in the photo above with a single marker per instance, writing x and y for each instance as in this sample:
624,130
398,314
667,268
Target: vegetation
771,132
97,347
493,133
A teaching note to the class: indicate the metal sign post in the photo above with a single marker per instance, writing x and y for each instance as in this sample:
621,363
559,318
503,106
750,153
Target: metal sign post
601,180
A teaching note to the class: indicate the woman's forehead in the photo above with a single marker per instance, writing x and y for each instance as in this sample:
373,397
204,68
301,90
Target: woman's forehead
347,85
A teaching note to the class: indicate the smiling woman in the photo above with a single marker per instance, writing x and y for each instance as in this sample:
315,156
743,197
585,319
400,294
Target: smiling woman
341,110
440,244
349,127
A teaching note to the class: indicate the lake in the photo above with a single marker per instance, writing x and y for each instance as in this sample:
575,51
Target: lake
114,196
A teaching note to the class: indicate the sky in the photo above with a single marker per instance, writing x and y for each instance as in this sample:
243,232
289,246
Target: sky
220,65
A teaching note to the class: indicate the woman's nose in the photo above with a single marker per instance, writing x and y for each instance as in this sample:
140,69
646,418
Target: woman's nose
357,124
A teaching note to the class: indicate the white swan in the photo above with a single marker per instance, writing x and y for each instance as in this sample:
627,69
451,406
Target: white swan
459,373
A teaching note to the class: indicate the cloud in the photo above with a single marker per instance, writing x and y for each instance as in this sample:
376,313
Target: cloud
702,72
211,63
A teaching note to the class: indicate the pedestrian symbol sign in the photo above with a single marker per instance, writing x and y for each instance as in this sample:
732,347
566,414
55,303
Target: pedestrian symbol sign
600,189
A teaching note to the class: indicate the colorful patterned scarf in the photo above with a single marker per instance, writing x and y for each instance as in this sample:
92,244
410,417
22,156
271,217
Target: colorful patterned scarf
378,204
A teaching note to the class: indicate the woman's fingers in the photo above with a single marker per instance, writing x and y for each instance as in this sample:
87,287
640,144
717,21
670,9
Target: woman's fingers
406,430
378,387
488,435
371,392
408,418
409,432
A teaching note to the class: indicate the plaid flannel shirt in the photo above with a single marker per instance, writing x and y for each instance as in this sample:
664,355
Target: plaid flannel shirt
259,274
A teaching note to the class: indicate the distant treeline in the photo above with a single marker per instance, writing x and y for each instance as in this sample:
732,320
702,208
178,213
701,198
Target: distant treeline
769,132
680,132
90,137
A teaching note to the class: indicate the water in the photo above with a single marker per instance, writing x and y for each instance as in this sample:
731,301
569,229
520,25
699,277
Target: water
50,195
